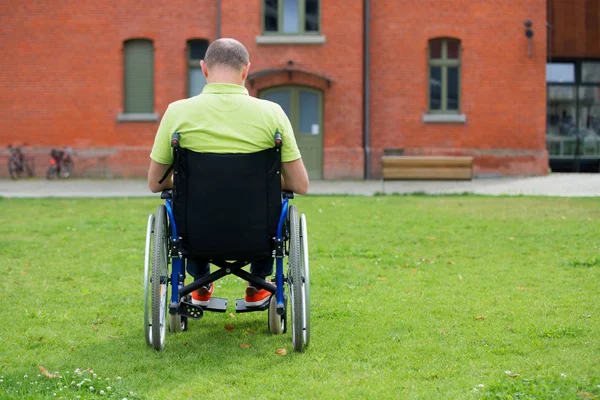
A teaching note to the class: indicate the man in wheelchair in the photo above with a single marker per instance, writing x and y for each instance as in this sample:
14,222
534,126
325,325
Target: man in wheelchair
223,158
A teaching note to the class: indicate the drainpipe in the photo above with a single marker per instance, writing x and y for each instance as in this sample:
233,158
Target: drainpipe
366,92
218,19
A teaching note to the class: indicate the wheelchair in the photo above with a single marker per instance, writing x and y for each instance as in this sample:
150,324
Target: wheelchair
228,209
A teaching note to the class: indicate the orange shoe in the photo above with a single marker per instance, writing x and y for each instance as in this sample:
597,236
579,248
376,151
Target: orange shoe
201,297
256,297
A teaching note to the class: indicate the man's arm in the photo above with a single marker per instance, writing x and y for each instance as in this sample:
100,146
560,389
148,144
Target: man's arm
155,174
294,177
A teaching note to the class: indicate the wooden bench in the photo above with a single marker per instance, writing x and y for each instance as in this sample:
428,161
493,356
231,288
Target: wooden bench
427,167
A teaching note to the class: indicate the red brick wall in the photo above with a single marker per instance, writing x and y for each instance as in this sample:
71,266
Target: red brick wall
62,83
503,91
61,78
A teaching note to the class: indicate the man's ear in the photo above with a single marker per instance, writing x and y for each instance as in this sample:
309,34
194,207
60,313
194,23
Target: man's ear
204,68
245,71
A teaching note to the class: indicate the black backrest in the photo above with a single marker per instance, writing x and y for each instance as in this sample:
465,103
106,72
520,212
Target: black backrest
227,206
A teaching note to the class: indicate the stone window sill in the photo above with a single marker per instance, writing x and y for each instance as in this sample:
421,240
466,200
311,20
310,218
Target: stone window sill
290,39
137,117
445,118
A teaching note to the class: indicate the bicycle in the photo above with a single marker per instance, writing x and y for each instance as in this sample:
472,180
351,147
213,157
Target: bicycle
61,163
18,164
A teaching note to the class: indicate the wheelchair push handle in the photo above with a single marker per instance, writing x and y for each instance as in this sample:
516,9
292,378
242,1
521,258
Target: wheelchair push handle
175,140
278,140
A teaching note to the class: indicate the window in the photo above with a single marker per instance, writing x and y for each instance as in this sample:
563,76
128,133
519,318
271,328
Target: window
196,49
139,77
291,17
573,119
444,76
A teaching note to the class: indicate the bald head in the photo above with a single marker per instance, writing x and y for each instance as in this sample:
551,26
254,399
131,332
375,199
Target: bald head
226,53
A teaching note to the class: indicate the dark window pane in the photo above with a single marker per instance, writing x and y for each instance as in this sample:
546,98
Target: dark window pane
309,112
452,88
589,120
271,15
590,72
281,97
435,88
197,49
290,16
196,81
453,47
435,48
311,16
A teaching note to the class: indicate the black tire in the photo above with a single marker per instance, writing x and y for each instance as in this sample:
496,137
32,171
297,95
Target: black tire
177,323
159,279
295,272
52,172
305,276
13,169
148,279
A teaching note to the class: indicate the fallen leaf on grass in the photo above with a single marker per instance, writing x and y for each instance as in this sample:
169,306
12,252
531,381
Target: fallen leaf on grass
405,266
250,331
513,375
381,279
244,345
46,373
586,395
95,329
443,332
230,328
281,352
459,277
231,315
450,262
431,237
480,317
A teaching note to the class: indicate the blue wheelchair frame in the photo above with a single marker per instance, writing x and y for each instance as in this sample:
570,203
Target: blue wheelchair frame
178,262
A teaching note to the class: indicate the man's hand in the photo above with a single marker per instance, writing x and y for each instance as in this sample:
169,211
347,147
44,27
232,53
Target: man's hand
155,174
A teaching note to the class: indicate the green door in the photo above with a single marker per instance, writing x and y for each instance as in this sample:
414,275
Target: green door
304,108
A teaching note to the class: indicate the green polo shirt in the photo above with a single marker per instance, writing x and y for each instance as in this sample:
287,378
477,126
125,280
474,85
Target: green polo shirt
224,119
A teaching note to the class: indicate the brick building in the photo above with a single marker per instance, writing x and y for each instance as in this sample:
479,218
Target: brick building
358,78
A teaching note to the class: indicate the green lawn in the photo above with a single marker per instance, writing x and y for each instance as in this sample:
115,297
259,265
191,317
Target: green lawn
412,297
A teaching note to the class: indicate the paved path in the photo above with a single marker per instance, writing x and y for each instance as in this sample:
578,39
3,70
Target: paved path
575,185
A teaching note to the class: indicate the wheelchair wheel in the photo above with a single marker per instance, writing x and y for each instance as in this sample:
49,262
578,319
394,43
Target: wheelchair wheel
297,284
147,280
277,323
177,323
159,279
306,269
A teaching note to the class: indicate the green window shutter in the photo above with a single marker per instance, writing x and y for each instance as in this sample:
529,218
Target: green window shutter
139,76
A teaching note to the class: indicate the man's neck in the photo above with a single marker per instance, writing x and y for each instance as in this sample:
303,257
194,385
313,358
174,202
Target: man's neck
226,78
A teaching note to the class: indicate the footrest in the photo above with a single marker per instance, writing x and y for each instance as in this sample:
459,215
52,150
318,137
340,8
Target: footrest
217,304
190,310
240,306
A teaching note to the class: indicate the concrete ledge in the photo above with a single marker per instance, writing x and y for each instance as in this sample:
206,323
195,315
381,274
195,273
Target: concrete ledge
137,117
290,39
445,118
